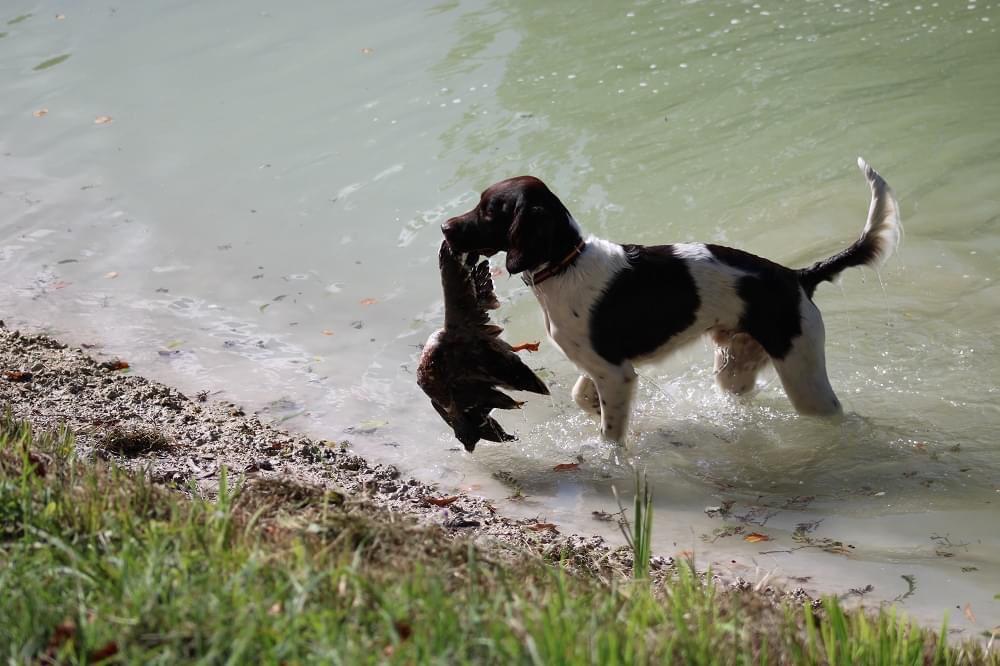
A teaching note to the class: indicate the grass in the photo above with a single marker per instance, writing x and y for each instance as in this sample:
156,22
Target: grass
98,565
638,532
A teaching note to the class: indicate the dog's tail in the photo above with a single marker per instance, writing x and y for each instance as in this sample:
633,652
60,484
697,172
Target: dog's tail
878,240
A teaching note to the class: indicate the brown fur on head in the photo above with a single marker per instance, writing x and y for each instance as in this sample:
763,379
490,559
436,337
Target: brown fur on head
520,216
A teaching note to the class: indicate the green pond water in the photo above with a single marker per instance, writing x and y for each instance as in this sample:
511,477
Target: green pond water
245,198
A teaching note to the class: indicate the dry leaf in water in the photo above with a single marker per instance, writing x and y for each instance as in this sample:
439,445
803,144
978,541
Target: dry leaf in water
367,51
40,113
112,275
565,467
969,615
368,301
526,346
754,537
327,331
441,501
102,120
541,527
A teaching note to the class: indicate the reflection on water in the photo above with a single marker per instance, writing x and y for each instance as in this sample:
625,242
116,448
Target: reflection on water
269,227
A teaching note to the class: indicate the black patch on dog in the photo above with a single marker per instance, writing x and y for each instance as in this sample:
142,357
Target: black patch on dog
645,305
771,296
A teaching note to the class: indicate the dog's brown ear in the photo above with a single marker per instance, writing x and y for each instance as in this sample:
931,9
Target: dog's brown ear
529,238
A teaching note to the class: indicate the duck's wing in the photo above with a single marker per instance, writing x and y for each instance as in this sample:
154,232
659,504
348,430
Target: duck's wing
505,368
491,431
443,414
483,281
490,398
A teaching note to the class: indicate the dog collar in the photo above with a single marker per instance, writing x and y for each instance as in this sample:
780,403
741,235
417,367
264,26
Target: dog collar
541,276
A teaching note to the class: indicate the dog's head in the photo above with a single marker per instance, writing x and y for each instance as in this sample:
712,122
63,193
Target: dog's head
519,216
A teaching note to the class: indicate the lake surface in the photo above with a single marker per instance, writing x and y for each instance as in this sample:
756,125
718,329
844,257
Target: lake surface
245,199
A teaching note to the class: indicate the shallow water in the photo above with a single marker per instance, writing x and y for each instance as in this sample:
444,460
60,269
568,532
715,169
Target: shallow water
257,211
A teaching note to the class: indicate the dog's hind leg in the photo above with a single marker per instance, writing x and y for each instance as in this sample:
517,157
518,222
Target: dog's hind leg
585,395
803,369
738,359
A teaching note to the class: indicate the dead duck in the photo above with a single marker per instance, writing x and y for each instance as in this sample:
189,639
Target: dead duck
463,363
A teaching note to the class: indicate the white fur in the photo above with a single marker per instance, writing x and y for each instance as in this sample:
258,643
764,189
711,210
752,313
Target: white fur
606,389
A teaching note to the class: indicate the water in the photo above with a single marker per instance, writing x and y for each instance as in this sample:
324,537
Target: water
256,213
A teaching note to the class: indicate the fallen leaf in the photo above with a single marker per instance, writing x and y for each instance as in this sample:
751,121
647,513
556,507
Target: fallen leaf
967,611
63,632
40,113
102,120
367,51
565,467
51,62
112,275
368,301
526,346
17,375
441,501
61,284
38,463
327,331
115,364
541,527
109,649
754,537
368,427
60,17
404,629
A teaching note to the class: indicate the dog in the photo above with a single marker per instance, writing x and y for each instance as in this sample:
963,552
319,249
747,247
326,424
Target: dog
609,306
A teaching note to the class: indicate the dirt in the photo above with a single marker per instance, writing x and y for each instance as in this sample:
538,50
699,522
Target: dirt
185,442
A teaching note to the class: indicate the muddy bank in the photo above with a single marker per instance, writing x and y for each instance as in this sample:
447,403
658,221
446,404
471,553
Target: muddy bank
180,440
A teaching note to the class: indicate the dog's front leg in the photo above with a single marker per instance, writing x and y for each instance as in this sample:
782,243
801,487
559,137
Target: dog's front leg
585,395
615,388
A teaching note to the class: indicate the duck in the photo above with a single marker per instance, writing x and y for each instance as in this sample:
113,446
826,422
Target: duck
463,364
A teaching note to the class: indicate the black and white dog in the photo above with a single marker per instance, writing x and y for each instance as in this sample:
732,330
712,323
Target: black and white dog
608,306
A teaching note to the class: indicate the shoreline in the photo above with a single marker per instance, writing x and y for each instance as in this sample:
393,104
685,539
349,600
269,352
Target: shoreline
184,443
178,440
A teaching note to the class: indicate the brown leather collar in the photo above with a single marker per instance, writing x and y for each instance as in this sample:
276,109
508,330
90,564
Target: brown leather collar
547,272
